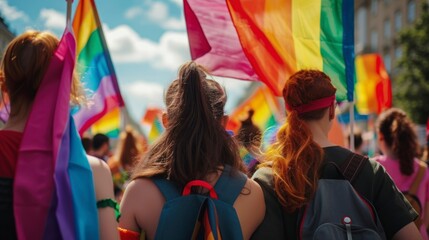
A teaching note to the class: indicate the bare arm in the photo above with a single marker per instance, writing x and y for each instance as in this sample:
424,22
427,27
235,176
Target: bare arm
104,190
250,207
409,231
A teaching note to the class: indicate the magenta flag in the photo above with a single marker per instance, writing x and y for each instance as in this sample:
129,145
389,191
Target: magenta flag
213,40
34,186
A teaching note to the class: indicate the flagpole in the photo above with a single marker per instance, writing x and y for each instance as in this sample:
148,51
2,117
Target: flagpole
69,9
352,123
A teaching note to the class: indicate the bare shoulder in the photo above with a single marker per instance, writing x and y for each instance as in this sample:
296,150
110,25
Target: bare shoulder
102,178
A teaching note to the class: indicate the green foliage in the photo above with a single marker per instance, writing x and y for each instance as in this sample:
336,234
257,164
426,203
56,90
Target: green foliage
411,87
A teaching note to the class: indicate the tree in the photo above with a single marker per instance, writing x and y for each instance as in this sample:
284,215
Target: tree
411,88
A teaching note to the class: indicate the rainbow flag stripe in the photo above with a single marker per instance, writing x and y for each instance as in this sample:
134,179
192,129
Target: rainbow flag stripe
266,109
156,130
373,86
297,34
109,124
95,66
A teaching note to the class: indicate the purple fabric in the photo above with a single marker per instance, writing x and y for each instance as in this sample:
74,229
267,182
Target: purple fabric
34,180
213,40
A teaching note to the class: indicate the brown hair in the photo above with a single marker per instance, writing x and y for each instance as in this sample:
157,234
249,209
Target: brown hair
23,67
129,148
295,157
194,143
400,137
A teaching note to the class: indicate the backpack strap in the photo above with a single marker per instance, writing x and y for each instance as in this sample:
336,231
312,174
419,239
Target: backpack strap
229,185
168,189
352,166
418,179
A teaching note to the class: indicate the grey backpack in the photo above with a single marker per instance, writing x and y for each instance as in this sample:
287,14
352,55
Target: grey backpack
337,211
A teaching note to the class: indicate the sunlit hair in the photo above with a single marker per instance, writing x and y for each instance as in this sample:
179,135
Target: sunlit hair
129,148
400,137
249,135
194,143
23,66
295,158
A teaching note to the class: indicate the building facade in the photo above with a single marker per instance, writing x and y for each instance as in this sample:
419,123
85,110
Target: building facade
377,24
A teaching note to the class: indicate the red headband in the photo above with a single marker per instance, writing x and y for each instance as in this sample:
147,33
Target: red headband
313,105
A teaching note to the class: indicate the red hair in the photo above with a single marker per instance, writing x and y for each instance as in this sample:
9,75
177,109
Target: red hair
296,158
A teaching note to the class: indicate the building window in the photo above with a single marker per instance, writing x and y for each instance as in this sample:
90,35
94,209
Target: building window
387,62
398,21
411,11
374,40
386,29
361,29
398,53
374,6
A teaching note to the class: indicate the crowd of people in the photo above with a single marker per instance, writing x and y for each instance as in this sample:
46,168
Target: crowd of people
199,166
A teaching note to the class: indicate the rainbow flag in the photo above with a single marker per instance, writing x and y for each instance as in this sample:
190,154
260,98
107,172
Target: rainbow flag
266,107
152,122
56,201
109,124
373,86
278,38
95,67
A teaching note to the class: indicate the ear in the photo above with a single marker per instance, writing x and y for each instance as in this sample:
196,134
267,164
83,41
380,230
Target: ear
331,112
224,120
164,120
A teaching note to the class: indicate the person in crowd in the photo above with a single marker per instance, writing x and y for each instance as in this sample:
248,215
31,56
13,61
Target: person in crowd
249,137
122,162
398,142
194,146
358,142
295,162
87,144
101,146
23,66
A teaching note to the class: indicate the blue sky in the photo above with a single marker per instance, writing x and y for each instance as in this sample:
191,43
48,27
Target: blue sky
147,41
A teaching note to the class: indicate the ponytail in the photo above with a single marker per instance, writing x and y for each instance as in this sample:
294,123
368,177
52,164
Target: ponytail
400,137
296,160
195,144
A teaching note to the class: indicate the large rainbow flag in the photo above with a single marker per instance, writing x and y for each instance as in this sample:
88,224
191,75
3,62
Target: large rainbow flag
278,38
109,124
373,86
57,200
95,67
266,107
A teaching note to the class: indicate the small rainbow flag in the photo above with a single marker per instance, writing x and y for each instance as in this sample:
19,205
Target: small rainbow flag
152,121
373,86
266,107
95,67
291,35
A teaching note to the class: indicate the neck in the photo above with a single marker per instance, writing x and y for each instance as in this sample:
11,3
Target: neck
17,120
320,133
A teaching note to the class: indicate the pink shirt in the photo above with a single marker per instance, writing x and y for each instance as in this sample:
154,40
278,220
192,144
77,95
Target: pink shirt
404,182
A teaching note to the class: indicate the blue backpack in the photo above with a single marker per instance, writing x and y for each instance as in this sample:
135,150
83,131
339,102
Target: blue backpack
338,211
186,215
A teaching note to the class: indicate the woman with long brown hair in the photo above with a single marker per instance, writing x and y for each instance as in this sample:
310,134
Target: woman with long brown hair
398,142
194,146
297,160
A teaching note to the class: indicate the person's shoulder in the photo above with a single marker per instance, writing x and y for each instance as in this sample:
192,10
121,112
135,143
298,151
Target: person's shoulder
102,178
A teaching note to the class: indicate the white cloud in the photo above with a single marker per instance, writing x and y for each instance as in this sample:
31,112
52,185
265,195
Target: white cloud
12,13
143,93
157,12
127,46
53,19
178,2
133,12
